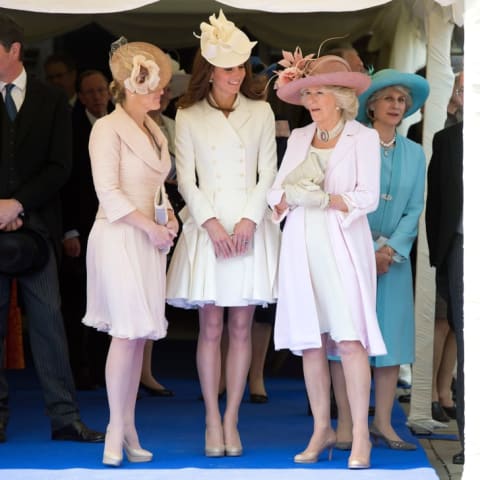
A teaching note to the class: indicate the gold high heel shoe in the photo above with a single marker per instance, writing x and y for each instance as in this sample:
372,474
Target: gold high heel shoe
312,456
360,463
137,455
393,444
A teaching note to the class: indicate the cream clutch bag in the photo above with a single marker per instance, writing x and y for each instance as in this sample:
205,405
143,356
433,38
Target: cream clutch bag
160,205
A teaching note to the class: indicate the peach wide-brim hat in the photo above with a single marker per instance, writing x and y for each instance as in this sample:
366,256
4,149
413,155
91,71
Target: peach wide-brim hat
329,70
122,61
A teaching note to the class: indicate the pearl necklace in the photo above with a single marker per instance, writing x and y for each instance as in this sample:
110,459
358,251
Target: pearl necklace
326,135
389,143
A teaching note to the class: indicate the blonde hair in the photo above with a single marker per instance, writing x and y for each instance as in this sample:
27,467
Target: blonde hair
346,100
117,91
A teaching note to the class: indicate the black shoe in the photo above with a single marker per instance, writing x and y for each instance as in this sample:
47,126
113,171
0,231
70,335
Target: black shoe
451,412
77,431
459,458
3,433
258,398
438,413
404,398
158,392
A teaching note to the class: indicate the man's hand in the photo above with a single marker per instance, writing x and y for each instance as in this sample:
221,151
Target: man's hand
10,209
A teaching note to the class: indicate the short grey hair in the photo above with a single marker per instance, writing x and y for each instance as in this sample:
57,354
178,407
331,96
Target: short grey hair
379,93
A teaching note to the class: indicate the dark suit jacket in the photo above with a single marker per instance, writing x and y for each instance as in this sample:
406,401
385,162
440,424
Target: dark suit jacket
445,192
42,154
79,199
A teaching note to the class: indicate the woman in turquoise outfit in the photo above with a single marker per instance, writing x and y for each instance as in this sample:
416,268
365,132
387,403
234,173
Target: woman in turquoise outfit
391,97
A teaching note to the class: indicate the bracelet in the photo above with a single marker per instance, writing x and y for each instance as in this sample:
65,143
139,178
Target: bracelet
329,201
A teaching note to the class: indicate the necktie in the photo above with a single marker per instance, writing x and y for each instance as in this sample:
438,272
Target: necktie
9,103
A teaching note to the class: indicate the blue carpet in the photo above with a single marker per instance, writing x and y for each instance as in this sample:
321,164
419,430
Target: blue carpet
173,428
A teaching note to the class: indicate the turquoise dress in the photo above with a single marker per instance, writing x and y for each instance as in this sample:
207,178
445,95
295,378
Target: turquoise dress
395,222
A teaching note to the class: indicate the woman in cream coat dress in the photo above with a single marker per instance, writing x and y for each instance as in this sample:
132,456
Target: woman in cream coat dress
226,255
126,253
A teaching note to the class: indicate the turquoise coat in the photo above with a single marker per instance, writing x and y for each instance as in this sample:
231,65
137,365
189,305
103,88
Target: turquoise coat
402,187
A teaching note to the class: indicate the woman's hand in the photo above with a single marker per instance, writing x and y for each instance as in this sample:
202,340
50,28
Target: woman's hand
222,242
243,235
161,236
281,207
383,259
172,223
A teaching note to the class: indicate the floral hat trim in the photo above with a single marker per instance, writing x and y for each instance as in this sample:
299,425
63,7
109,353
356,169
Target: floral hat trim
294,64
145,76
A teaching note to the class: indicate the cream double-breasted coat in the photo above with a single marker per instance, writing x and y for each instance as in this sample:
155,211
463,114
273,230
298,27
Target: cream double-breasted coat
225,165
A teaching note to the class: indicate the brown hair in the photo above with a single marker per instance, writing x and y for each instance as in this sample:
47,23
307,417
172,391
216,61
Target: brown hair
253,86
10,33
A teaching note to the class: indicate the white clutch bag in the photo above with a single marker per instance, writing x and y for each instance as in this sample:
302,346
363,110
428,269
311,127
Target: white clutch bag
160,205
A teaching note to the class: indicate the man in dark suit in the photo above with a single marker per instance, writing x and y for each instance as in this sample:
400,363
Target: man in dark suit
35,161
88,349
444,224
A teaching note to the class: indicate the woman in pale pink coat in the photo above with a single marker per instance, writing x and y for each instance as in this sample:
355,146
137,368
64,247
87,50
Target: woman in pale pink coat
327,183
126,255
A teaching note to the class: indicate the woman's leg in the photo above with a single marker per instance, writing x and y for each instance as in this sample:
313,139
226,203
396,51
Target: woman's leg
261,334
147,379
445,370
208,366
317,382
121,367
356,369
440,335
344,419
130,434
236,370
385,391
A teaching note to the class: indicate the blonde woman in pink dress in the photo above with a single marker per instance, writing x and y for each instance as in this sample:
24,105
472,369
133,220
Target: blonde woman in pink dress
126,254
327,183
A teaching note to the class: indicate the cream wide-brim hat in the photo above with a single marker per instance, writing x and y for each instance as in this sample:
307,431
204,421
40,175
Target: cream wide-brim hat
121,61
328,70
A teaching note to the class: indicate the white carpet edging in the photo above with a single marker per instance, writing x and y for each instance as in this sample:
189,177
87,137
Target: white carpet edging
220,474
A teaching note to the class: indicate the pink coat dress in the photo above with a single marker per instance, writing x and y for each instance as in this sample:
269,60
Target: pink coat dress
125,272
353,170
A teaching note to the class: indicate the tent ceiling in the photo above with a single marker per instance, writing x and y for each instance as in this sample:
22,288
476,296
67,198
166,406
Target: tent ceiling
187,6
170,23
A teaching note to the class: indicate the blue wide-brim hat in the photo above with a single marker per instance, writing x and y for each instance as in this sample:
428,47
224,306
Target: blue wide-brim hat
417,85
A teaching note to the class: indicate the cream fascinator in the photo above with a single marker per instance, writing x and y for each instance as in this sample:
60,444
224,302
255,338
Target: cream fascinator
222,44
139,66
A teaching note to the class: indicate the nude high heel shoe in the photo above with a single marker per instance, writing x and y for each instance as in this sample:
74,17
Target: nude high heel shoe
111,460
311,456
360,463
137,455
212,450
